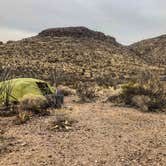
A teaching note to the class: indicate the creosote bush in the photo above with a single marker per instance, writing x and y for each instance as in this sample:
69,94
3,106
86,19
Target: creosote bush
86,91
130,90
148,93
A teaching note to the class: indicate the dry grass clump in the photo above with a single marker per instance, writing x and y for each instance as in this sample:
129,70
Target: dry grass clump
22,117
30,105
148,93
64,120
34,103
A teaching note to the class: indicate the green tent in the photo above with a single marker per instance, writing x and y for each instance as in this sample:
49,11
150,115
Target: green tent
17,88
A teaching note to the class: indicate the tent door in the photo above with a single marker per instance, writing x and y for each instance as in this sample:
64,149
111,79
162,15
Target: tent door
44,88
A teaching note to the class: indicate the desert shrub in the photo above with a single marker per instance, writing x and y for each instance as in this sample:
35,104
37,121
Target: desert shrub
130,90
105,80
66,91
34,103
10,42
55,100
115,98
148,94
142,102
86,91
63,121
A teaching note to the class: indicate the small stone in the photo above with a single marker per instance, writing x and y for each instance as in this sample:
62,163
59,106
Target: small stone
50,156
24,144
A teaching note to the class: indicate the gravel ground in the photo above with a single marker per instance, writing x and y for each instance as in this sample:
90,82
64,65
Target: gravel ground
104,135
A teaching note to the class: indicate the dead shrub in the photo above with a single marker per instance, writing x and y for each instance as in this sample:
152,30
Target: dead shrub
63,121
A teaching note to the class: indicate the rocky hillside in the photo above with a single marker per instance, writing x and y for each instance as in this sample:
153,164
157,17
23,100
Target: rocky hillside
153,50
70,55
77,32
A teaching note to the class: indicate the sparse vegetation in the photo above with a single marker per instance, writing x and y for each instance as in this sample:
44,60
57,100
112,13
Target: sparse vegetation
96,66
69,60
148,93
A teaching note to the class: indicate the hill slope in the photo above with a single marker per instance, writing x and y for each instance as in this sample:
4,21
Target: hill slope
153,50
71,54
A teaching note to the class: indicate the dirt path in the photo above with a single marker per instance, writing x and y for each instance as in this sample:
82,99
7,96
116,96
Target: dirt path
104,135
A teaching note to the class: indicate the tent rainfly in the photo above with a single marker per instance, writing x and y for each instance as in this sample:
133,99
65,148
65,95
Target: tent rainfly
17,88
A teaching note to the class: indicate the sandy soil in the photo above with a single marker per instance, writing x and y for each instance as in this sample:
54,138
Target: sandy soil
105,135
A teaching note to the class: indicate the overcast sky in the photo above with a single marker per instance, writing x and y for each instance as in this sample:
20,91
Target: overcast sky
127,20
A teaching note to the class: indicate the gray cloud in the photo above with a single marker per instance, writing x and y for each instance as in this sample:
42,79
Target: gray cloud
127,20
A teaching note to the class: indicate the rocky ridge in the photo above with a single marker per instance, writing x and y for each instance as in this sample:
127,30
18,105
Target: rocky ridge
76,32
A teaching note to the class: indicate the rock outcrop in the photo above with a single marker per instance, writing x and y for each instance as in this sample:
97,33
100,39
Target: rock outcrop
76,32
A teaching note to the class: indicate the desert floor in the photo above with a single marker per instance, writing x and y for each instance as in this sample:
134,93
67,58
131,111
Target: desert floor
104,135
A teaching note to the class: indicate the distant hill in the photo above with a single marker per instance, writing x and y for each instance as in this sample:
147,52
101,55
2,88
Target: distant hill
73,54
77,32
153,50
